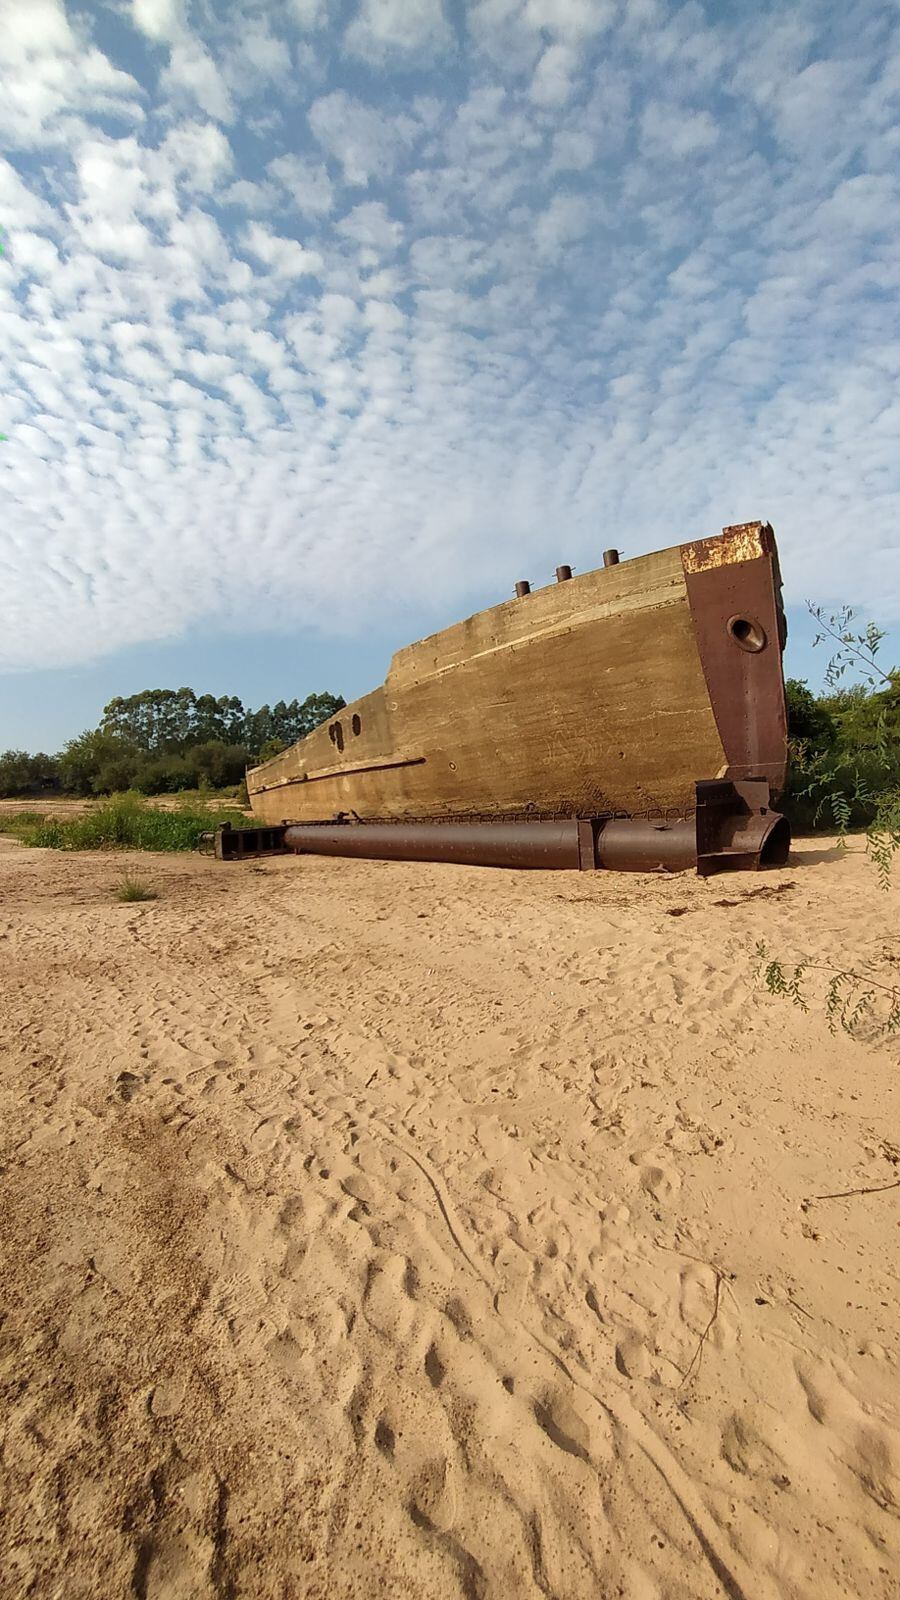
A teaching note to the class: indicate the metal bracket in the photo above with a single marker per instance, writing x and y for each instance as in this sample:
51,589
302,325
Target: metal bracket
235,844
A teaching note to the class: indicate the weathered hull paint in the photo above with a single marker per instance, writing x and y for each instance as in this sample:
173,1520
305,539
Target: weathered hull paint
613,691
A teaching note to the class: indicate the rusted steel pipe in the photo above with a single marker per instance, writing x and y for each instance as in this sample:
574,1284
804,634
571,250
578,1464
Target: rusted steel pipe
732,825
541,843
563,574
610,558
522,587
634,844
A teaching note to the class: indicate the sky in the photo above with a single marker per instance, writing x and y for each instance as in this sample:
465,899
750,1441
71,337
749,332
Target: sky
324,321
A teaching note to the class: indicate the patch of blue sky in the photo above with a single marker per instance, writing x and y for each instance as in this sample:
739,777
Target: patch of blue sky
334,319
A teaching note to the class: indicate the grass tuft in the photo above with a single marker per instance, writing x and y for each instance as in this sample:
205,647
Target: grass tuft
132,889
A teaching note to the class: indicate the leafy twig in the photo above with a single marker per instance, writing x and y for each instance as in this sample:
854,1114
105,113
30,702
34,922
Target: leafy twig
850,997
853,648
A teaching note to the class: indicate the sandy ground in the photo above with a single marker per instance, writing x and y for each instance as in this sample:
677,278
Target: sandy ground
373,1229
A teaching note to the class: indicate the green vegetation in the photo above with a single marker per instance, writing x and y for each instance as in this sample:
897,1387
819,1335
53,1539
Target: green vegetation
845,744
845,774
22,774
23,825
132,889
854,999
126,822
165,741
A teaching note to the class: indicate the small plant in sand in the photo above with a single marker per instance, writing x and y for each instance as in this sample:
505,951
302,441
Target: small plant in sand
130,889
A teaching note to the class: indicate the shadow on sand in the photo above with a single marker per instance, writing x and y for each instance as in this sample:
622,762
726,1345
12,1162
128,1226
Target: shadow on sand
812,858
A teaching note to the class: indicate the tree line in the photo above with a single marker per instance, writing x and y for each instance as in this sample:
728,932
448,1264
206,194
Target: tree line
162,741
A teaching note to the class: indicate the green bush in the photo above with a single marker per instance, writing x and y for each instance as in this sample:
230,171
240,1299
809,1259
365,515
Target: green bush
217,764
166,774
22,824
126,822
845,755
92,757
22,774
115,775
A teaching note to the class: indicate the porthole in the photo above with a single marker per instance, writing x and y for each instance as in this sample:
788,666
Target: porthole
746,632
355,724
336,734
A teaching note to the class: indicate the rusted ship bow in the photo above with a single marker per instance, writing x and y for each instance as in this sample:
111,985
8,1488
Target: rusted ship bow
632,717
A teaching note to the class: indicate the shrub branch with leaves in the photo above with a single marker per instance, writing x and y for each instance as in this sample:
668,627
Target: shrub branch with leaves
845,746
852,996
845,755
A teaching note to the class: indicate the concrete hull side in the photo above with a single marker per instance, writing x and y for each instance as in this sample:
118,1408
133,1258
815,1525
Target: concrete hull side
587,697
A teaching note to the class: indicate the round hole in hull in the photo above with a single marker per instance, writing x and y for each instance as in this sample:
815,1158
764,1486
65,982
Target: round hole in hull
748,633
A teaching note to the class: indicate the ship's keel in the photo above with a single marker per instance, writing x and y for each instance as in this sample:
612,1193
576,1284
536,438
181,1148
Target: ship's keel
731,825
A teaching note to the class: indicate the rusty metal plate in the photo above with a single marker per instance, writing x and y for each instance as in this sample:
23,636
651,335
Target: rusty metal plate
744,541
738,623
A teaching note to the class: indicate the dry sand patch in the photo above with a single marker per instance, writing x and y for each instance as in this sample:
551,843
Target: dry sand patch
373,1228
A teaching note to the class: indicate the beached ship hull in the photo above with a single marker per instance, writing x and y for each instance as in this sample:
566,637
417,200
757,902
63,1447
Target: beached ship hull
612,692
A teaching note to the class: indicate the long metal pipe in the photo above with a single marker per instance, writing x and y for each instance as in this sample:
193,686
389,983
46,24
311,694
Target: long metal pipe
548,844
733,825
636,844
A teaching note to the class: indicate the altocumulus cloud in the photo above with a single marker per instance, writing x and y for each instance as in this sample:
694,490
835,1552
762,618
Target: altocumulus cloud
312,310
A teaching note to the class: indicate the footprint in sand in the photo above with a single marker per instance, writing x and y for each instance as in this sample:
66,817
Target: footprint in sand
858,1432
432,1495
747,1451
632,1356
704,1306
388,1301
435,1368
660,1180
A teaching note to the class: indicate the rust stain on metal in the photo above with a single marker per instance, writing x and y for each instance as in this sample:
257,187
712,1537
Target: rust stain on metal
745,541
736,612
